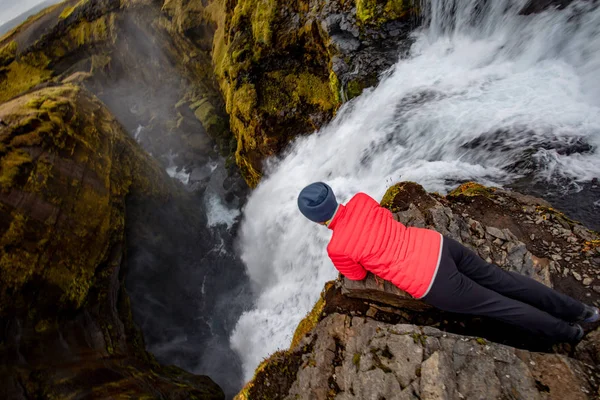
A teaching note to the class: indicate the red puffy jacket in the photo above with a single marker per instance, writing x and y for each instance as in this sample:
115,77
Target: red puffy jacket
367,238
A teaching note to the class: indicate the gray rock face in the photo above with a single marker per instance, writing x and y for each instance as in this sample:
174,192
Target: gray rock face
367,49
359,358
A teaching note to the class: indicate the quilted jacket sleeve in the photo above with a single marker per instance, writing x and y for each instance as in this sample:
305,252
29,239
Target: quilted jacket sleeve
348,267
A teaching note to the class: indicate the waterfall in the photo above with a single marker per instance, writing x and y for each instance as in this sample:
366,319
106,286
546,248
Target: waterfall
485,94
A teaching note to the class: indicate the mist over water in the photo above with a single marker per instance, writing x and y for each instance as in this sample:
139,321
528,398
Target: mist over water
485,94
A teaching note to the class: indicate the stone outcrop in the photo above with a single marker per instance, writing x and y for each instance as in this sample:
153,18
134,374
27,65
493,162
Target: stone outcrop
143,60
358,358
284,68
67,167
370,340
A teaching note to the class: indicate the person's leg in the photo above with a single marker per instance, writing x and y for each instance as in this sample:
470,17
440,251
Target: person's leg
514,285
452,291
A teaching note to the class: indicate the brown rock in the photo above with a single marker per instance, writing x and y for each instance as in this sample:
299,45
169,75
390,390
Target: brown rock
387,293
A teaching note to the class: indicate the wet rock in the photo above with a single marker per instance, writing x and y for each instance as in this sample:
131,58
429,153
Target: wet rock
536,6
345,43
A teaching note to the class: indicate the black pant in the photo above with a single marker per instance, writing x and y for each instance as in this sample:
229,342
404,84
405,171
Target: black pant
467,284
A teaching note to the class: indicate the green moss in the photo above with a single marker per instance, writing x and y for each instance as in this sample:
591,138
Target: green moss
17,265
36,102
559,216
312,318
334,85
88,32
261,14
354,89
390,195
100,62
380,11
356,360
8,53
210,119
244,100
249,173
419,338
365,9
268,101
481,341
282,91
262,20
313,90
12,163
273,377
308,323
396,8
21,76
471,189
66,12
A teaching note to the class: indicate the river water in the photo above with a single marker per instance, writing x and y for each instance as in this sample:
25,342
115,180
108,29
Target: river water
485,94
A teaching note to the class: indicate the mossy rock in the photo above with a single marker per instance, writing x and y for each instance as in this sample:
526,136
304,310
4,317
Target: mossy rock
277,83
312,318
67,166
273,377
472,189
400,196
67,169
377,12
8,53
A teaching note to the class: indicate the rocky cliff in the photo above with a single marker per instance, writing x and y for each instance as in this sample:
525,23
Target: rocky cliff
135,57
189,79
369,340
67,169
284,68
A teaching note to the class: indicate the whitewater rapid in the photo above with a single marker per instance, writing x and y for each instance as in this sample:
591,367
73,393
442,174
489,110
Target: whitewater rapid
485,94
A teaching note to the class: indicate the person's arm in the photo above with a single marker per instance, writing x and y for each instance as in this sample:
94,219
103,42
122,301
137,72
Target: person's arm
348,267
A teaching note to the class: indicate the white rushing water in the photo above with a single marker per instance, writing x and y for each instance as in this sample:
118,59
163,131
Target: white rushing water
481,93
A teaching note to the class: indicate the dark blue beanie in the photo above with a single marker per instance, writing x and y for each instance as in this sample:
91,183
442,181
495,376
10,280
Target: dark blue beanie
317,202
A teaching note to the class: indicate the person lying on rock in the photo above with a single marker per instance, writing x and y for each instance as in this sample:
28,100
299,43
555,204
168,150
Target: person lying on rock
438,269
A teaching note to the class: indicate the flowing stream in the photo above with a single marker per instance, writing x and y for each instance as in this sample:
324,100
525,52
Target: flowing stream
485,94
